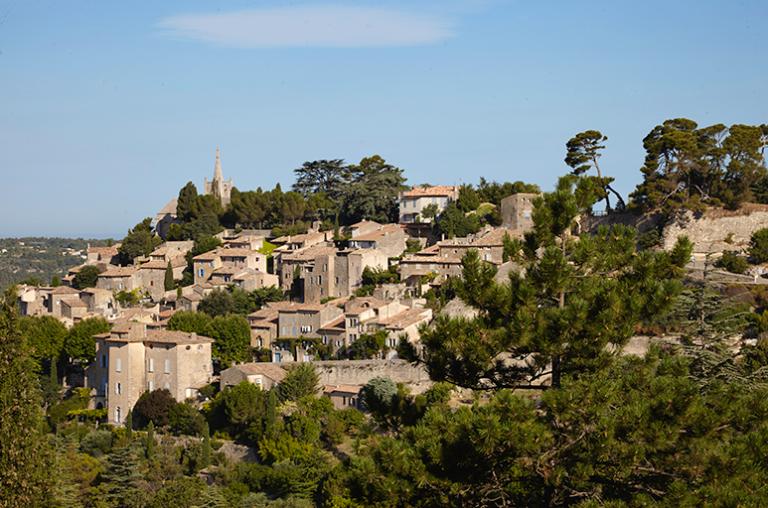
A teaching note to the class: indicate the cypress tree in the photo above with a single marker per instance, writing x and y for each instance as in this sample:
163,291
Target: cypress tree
24,448
150,443
169,282
205,459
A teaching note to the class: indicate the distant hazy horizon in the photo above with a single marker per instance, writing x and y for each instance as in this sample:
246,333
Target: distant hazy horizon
108,109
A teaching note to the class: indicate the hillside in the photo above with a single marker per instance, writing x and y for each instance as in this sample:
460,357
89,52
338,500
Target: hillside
38,259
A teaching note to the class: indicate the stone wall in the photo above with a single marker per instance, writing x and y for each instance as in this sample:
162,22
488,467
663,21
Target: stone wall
359,372
717,229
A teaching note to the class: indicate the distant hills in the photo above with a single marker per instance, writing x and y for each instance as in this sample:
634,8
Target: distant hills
38,259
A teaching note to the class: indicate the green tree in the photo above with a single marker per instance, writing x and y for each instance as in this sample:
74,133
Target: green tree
430,211
190,322
186,205
218,302
153,407
367,346
122,477
140,241
87,277
293,207
169,282
583,153
301,381
469,199
560,314
329,177
232,339
372,194
758,246
24,450
79,344
455,223
45,336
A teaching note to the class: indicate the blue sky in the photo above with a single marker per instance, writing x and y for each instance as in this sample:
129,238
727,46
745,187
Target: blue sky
108,108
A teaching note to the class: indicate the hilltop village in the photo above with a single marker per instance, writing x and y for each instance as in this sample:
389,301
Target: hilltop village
356,341
329,288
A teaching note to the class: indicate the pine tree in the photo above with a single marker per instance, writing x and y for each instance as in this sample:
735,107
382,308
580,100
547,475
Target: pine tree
122,477
571,305
25,455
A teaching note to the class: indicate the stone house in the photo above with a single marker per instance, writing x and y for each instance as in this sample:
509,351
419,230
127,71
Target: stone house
103,255
489,245
291,243
264,375
344,396
389,239
363,228
171,250
339,274
517,212
206,264
152,275
428,262
119,278
412,202
294,264
131,360
250,280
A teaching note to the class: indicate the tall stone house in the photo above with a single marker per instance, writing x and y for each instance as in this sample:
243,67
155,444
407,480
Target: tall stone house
412,202
130,360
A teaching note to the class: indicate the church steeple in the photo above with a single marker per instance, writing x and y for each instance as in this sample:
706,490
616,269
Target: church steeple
218,187
217,176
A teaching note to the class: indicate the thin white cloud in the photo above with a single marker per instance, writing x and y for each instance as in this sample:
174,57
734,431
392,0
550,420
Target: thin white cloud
307,26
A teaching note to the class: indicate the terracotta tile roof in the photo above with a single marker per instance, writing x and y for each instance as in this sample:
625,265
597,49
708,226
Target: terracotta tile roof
169,208
406,319
334,325
361,304
352,389
75,303
363,223
119,271
383,232
238,253
207,256
162,265
308,253
270,370
436,190
65,290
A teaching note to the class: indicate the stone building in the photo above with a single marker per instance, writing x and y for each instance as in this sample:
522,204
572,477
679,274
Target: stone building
263,375
131,360
517,211
388,239
218,187
412,202
231,261
119,278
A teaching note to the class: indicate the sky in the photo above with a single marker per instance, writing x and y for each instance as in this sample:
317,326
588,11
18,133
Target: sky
108,108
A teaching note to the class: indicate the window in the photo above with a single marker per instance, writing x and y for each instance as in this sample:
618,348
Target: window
118,389
167,366
118,414
306,328
167,386
278,357
118,365
325,340
151,366
343,400
201,272
150,385
104,361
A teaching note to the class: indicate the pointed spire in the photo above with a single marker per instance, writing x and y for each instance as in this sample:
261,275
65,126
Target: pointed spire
217,176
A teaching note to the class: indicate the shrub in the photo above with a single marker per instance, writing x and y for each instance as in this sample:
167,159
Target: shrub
732,262
758,246
153,407
185,419
97,443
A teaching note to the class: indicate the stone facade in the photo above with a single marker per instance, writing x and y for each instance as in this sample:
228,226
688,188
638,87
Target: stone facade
131,360
218,187
517,211
412,202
